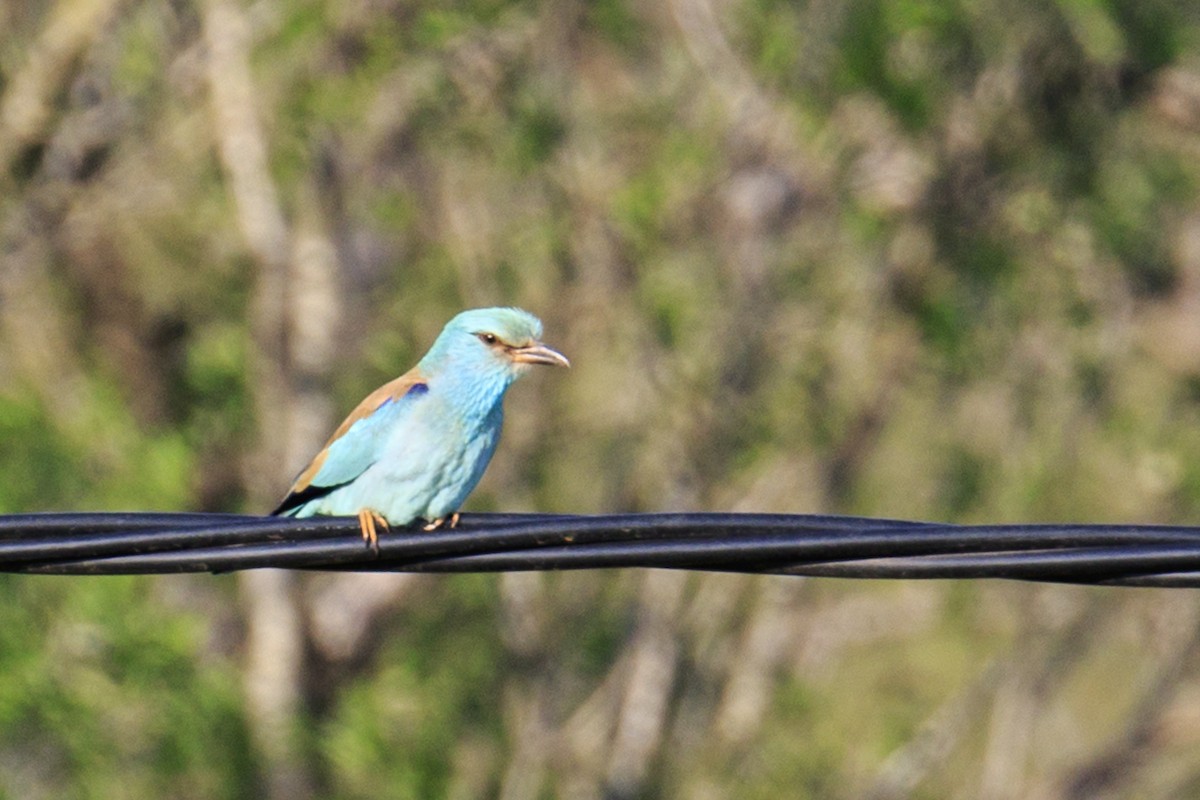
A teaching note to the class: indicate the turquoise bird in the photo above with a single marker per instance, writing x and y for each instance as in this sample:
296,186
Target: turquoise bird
416,446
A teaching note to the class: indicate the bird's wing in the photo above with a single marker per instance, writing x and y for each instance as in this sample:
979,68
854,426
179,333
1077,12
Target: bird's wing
355,444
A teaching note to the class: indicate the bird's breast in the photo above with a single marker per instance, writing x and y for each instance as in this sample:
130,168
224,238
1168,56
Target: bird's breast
432,462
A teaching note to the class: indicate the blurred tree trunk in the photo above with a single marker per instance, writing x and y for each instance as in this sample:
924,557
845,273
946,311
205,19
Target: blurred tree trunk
27,109
37,332
274,659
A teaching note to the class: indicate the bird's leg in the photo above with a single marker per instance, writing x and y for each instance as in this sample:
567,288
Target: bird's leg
442,522
369,521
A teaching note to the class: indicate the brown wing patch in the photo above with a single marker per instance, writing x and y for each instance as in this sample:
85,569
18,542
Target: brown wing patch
392,390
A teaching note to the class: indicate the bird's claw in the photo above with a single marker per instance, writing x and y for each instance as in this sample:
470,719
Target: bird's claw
447,522
370,522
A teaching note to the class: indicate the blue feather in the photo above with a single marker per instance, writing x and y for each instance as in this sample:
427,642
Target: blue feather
360,446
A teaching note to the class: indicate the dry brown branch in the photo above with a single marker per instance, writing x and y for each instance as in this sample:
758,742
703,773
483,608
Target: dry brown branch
937,737
585,735
1120,764
767,641
1042,664
1014,711
755,117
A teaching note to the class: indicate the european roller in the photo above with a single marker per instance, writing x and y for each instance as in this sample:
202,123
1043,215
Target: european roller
416,446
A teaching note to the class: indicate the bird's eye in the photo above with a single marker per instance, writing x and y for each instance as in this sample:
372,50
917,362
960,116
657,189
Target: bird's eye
487,338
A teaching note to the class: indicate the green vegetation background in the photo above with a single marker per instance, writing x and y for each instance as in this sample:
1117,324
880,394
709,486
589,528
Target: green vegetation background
914,258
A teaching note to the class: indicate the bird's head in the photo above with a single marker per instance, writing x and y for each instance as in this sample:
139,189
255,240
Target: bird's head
500,343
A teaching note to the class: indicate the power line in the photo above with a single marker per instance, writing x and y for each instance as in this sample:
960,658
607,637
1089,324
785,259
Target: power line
831,546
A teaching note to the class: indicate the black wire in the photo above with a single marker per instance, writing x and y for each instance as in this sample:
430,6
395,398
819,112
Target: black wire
311,546
19,526
821,546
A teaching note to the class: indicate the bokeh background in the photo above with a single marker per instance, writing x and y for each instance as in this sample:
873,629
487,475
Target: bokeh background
908,258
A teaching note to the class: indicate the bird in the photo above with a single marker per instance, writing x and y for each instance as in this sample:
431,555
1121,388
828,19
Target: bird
415,447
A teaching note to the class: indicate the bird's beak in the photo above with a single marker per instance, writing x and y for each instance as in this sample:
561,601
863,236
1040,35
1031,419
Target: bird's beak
538,353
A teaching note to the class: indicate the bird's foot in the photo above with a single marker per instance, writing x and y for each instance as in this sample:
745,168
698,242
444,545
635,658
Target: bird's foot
371,522
440,522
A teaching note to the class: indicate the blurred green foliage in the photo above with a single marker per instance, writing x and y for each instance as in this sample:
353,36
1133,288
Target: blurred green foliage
917,259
